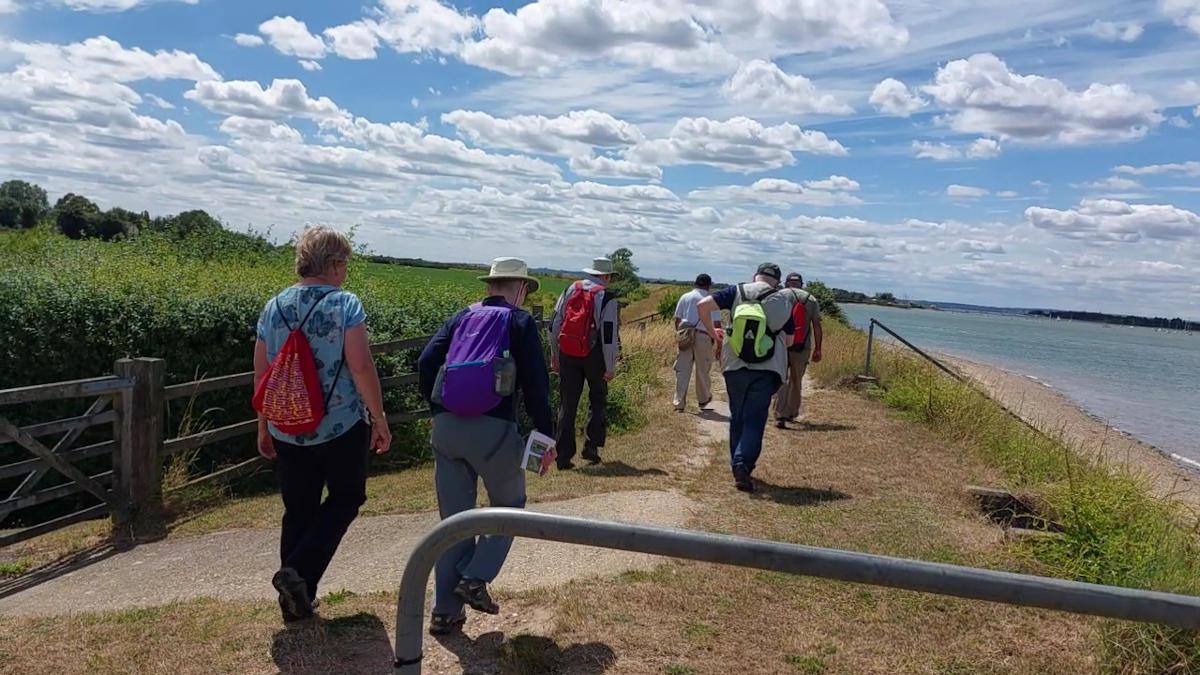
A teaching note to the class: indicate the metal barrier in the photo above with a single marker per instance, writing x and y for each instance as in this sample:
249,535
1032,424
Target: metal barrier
1181,611
871,342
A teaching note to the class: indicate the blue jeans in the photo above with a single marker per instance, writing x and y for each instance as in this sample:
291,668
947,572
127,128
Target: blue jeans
465,451
750,393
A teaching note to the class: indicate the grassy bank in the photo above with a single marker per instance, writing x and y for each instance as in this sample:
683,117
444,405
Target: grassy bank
1113,530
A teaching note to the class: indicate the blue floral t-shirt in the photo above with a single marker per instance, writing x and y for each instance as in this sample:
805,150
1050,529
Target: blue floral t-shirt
326,328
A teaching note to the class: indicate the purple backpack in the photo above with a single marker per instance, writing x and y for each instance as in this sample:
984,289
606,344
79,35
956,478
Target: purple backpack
479,370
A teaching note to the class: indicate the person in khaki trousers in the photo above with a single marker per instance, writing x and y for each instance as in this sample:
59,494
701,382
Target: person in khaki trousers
696,346
806,314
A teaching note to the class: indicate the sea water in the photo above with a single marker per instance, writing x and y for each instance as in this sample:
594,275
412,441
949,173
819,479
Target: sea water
1143,381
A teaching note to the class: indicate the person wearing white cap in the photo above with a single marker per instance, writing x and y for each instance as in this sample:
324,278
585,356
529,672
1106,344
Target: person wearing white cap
583,348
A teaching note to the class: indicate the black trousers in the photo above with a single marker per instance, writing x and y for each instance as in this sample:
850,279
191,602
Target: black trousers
573,372
312,529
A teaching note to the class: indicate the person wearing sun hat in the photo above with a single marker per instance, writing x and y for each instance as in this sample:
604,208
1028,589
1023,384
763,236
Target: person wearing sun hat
482,443
583,347
755,360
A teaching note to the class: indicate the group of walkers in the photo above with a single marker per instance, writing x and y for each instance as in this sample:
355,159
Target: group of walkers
320,403
774,331
320,410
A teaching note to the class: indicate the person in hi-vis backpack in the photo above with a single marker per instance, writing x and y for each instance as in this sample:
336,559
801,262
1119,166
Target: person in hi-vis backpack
755,360
583,346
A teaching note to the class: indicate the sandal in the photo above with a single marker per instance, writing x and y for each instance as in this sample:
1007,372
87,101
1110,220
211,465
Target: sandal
445,624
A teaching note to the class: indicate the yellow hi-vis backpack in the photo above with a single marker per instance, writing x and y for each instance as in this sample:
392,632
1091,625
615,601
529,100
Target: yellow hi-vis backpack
750,337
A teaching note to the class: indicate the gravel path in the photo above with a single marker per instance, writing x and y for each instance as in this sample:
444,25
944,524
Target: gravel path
237,564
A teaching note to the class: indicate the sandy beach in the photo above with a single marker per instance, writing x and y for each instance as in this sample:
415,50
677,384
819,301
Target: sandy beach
1055,413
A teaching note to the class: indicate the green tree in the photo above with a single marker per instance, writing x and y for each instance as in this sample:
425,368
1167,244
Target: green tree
885,297
825,298
624,282
117,223
21,204
75,215
186,224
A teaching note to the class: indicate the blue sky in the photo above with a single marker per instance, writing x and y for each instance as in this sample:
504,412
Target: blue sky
1032,152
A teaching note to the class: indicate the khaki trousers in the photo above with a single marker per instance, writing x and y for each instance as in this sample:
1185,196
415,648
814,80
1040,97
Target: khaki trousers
788,400
699,356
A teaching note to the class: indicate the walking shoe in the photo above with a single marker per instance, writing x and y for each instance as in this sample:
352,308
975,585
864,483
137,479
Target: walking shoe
289,617
475,593
781,424
293,595
445,624
566,467
742,480
705,404
592,455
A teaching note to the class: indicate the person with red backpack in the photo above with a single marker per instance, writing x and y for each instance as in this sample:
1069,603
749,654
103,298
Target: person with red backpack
470,372
320,412
806,343
583,346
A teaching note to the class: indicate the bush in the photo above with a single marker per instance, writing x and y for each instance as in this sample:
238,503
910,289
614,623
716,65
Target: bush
829,306
667,304
21,204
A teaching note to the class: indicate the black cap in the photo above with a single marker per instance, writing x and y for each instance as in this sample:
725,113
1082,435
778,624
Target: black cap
703,281
770,270
795,276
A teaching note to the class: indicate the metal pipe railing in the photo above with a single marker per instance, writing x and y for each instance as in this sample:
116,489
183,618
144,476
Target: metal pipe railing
1182,611
871,339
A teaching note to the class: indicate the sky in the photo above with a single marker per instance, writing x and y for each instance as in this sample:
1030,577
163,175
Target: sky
1019,153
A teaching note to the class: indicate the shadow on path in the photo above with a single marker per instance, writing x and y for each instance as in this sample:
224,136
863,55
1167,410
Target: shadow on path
63,566
795,496
348,644
618,470
822,426
492,653
712,416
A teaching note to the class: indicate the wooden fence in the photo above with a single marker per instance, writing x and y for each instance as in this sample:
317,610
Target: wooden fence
134,401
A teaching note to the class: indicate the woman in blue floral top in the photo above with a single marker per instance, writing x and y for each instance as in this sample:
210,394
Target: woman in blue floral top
334,456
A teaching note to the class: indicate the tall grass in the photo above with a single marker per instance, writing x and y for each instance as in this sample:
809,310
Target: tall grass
1114,530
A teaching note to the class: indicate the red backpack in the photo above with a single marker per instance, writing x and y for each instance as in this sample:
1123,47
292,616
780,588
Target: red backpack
579,321
289,394
800,318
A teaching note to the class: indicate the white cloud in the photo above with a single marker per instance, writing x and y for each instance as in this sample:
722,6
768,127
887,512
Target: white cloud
1100,220
414,102
1184,13
290,36
259,129
1185,168
893,97
284,98
160,102
967,191
249,40
834,183
112,5
608,167
9,7
356,41
1114,183
680,37
739,144
763,83
1008,194
1179,122
570,135
1113,32
309,65
977,246
1039,184
985,97
782,194
102,58
980,148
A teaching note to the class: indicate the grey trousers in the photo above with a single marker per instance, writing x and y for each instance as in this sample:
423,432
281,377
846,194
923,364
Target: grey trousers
465,450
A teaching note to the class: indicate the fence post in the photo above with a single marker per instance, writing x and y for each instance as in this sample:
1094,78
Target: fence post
137,457
539,314
870,343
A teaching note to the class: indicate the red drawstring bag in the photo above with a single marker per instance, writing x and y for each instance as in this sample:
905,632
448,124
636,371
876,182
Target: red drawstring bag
289,394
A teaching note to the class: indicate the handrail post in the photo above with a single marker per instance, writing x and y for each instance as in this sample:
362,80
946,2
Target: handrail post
137,456
870,343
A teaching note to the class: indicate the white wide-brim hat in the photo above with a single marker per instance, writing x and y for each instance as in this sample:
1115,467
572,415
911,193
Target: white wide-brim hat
511,268
600,267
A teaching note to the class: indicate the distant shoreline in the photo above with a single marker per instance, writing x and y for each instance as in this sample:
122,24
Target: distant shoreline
1054,412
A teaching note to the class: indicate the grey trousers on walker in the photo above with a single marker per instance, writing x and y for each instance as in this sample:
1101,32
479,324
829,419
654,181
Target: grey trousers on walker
465,450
